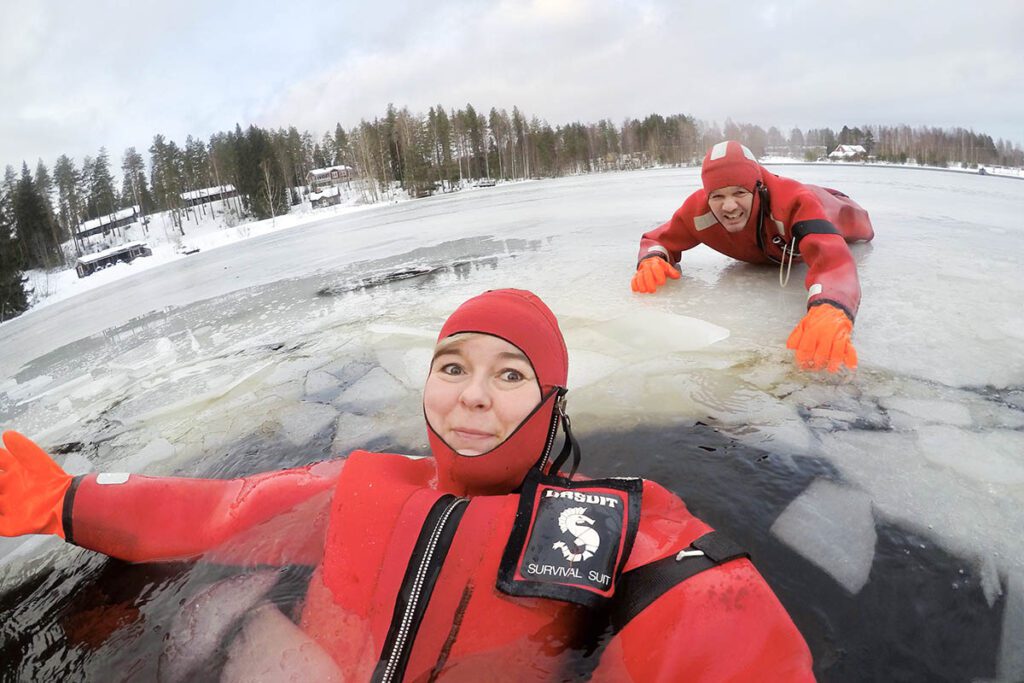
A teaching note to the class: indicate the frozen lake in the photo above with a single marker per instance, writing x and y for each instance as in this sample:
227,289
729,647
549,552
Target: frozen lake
886,510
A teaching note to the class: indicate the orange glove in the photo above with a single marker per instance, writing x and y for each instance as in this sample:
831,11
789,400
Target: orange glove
32,488
650,274
822,340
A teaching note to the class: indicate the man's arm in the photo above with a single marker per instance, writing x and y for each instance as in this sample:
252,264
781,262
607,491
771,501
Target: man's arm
670,239
822,338
831,270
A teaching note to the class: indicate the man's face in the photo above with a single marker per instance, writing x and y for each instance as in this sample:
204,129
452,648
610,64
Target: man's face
480,388
731,206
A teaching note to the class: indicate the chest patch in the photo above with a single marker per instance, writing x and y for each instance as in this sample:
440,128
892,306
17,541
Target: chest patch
570,539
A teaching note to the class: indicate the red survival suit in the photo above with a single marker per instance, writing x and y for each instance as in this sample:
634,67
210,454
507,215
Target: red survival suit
720,624
460,567
814,223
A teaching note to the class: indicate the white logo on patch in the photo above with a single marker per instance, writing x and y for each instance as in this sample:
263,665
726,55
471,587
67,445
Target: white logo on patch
586,539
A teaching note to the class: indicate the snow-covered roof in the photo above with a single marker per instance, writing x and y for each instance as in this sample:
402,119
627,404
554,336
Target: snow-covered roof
109,218
326,192
326,171
112,251
848,151
207,192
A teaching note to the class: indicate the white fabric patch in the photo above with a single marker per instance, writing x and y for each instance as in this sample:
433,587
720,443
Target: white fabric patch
748,154
706,221
112,477
814,289
718,151
657,249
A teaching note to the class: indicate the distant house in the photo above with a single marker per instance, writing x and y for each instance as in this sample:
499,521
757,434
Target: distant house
326,177
125,253
329,196
208,194
104,225
848,153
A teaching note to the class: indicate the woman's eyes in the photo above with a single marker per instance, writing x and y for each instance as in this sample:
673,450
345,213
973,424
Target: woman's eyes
510,375
507,375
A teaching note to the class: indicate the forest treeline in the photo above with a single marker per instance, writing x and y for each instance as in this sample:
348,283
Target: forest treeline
401,151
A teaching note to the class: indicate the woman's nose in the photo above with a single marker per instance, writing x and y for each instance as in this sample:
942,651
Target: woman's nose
476,393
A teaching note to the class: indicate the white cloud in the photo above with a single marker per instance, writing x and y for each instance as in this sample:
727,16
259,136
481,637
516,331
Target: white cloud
101,73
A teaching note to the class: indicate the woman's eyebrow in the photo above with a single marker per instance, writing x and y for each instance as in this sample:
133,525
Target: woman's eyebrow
514,355
450,350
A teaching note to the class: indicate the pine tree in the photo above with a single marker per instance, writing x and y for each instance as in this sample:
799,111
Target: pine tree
471,124
12,282
520,144
102,197
260,176
44,188
33,220
195,165
342,149
442,132
65,176
10,184
134,188
167,178
389,136
83,188
869,141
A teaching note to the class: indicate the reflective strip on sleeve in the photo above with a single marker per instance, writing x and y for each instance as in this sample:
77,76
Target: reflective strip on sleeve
706,221
816,288
105,478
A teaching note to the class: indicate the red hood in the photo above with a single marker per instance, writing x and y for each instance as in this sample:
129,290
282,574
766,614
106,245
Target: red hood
522,319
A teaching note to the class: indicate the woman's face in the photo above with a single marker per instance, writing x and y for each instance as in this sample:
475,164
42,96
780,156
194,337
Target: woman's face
480,388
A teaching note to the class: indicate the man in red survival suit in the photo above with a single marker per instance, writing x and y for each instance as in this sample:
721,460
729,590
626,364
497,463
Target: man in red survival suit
488,561
752,215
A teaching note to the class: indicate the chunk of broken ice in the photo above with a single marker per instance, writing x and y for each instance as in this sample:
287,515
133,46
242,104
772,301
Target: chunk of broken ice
833,527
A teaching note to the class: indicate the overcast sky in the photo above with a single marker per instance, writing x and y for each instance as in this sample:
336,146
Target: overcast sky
75,76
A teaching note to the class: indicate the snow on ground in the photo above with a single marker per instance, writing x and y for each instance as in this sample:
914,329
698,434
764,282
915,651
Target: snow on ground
206,228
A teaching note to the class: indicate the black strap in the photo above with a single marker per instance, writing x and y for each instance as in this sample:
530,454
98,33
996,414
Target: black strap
763,210
814,226
831,302
638,588
653,254
67,513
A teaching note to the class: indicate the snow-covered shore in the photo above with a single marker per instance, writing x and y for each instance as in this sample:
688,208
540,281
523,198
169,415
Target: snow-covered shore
215,229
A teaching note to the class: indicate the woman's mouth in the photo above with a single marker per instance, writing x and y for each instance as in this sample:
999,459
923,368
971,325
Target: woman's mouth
471,434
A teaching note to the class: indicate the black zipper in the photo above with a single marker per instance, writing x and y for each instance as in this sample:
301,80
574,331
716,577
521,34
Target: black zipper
421,574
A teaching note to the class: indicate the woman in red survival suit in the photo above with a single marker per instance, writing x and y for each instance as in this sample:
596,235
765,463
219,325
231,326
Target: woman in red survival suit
752,215
486,562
